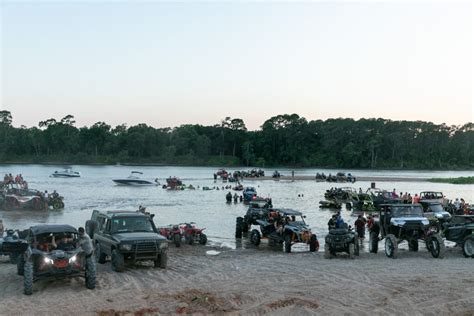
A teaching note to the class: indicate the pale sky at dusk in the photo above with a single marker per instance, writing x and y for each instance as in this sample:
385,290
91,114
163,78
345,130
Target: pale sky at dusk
170,63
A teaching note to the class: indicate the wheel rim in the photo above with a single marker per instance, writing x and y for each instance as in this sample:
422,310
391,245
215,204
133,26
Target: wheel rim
469,247
254,238
434,247
388,247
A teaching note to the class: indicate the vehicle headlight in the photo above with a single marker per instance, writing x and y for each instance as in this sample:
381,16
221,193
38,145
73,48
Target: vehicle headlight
164,245
48,260
73,259
126,247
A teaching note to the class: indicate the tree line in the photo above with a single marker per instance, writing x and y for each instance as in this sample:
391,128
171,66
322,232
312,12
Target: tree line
282,140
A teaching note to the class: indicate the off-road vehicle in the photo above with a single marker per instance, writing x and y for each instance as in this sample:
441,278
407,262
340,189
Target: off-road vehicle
126,236
362,202
461,231
249,193
340,194
436,214
431,196
404,222
284,226
53,251
258,209
191,233
341,240
381,197
12,245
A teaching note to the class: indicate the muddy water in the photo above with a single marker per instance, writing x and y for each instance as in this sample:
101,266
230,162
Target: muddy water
96,190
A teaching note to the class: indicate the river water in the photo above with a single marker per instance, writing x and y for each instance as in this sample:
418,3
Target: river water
96,190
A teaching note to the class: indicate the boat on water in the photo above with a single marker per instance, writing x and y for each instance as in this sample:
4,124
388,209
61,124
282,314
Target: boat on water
136,179
66,173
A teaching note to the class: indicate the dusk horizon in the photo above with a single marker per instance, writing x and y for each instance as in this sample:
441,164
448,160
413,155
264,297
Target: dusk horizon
167,64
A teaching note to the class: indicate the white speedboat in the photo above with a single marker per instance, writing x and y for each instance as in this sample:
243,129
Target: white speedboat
135,179
66,173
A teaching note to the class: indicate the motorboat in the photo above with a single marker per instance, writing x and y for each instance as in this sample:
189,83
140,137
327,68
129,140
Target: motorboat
66,173
136,179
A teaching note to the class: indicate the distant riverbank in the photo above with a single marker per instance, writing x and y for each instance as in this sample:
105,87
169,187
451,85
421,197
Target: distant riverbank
217,165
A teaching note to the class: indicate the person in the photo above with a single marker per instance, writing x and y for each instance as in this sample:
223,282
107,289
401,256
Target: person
2,229
228,197
463,207
409,198
46,196
332,222
370,223
457,204
360,226
64,243
278,225
360,191
339,220
394,194
416,199
141,209
85,242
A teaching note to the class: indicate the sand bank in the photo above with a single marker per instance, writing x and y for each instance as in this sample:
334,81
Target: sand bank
258,281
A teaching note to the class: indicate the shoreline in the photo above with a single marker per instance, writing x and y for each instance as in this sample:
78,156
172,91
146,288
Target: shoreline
230,167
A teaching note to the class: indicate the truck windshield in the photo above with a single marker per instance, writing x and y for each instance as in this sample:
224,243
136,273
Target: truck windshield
436,208
131,224
407,211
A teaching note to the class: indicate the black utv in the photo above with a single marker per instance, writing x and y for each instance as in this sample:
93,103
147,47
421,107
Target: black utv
258,209
404,222
12,245
53,251
461,231
284,226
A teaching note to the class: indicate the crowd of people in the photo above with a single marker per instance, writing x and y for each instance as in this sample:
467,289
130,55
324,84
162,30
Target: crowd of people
8,179
66,242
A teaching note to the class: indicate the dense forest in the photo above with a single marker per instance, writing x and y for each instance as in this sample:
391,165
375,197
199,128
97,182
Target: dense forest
283,140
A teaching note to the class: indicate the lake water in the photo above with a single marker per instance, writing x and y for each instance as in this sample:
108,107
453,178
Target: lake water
96,190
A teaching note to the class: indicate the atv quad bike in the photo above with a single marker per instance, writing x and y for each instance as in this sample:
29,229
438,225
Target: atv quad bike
341,240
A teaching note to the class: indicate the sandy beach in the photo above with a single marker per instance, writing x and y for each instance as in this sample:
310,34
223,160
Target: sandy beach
257,281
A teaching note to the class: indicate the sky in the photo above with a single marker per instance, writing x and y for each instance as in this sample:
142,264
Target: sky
172,63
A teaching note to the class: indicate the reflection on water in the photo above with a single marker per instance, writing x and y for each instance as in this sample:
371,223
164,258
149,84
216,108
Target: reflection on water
95,190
